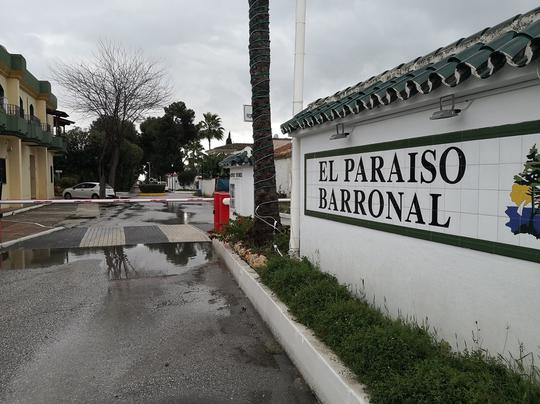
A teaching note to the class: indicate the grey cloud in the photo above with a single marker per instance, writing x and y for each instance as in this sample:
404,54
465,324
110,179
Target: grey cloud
203,44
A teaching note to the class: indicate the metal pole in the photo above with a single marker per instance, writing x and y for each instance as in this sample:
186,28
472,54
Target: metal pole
299,54
298,104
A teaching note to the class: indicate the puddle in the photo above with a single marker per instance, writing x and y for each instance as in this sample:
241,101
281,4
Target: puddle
119,262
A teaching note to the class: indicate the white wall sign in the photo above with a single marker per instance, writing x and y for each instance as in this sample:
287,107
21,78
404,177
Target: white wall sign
248,113
462,193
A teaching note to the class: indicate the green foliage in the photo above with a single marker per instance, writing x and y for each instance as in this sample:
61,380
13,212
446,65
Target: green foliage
84,148
399,362
67,182
169,140
186,177
152,188
238,230
210,167
130,154
80,160
130,163
210,128
241,230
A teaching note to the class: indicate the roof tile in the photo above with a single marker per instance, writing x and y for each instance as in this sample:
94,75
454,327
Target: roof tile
515,42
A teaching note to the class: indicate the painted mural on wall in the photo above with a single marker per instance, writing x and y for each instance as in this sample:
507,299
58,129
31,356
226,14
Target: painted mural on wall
525,215
456,192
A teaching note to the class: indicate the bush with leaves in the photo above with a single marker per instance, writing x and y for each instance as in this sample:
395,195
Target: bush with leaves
399,362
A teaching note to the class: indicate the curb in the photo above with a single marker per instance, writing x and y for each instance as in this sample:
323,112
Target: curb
21,210
43,233
329,379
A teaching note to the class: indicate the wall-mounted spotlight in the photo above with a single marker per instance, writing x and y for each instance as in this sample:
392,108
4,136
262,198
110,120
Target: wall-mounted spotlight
442,113
340,132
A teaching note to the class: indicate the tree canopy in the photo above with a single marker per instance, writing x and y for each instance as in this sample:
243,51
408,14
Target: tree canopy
83,150
210,128
169,140
117,86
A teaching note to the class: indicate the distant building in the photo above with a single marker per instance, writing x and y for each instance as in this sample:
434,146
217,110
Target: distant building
230,148
240,167
29,122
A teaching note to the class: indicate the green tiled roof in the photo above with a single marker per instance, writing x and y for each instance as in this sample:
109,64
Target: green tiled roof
514,42
236,159
17,62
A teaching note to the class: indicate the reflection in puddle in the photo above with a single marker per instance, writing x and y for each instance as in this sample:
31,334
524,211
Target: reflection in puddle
118,262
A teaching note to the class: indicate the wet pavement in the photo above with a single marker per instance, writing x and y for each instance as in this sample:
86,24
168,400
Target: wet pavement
156,322
139,214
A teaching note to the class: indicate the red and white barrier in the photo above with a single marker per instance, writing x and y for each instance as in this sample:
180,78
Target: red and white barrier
122,200
117,200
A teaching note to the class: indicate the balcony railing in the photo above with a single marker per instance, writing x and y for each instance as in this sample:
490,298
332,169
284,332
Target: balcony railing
30,126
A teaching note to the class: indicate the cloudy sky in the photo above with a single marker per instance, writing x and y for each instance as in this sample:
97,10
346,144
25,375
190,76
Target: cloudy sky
203,43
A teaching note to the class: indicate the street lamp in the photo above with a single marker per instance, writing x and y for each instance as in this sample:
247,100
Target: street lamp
148,179
173,179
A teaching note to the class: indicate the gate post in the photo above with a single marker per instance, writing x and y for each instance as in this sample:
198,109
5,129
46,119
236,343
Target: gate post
221,211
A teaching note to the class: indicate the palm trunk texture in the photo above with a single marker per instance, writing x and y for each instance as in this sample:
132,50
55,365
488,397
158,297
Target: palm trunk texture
264,172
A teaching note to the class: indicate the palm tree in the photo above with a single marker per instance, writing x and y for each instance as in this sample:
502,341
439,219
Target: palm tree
264,170
210,127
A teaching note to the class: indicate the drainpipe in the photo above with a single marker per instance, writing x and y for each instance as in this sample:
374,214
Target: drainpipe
299,53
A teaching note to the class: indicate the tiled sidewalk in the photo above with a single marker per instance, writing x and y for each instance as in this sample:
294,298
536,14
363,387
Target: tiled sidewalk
34,221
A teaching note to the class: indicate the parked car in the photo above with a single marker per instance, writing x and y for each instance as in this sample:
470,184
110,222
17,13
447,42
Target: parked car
87,190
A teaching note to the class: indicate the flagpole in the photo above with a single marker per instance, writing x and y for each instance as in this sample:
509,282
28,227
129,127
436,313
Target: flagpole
298,105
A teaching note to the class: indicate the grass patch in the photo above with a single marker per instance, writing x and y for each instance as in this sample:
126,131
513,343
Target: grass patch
397,361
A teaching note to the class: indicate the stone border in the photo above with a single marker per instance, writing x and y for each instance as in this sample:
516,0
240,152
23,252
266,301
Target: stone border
330,380
18,240
22,210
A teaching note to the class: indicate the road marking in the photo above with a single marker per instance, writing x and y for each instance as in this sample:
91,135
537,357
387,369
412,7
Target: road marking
101,236
179,233
106,236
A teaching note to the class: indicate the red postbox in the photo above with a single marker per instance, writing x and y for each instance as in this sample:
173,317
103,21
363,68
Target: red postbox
221,211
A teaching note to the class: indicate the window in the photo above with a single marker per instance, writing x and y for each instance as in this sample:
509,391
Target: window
3,173
231,192
31,110
3,101
51,171
21,108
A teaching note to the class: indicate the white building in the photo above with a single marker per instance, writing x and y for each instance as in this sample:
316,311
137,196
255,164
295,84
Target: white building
414,189
240,167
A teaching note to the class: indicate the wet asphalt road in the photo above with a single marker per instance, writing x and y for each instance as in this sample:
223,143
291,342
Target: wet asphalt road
144,323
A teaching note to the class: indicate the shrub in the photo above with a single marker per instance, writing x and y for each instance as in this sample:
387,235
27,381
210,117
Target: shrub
237,230
398,362
152,188
67,182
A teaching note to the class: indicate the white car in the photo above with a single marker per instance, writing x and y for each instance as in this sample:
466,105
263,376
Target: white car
87,190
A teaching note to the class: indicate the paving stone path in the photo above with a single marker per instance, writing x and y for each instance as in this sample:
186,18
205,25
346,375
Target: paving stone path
115,235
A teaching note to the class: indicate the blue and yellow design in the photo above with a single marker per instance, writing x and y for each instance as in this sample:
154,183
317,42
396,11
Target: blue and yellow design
525,215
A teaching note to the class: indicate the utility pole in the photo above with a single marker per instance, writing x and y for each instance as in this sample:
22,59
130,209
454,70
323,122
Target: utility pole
298,105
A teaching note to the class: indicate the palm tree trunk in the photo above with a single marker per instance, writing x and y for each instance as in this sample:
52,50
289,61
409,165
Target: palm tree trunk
264,172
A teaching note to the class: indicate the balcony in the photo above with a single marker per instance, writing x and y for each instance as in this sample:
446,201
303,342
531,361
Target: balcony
29,128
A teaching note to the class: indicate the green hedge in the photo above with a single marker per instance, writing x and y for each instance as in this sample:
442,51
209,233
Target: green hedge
152,188
398,362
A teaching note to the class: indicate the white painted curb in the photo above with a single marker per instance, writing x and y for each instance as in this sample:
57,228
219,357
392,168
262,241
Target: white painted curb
43,233
330,380
21,210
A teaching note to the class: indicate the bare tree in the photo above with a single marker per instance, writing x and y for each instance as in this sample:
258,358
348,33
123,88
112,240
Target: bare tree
117,86
264,171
